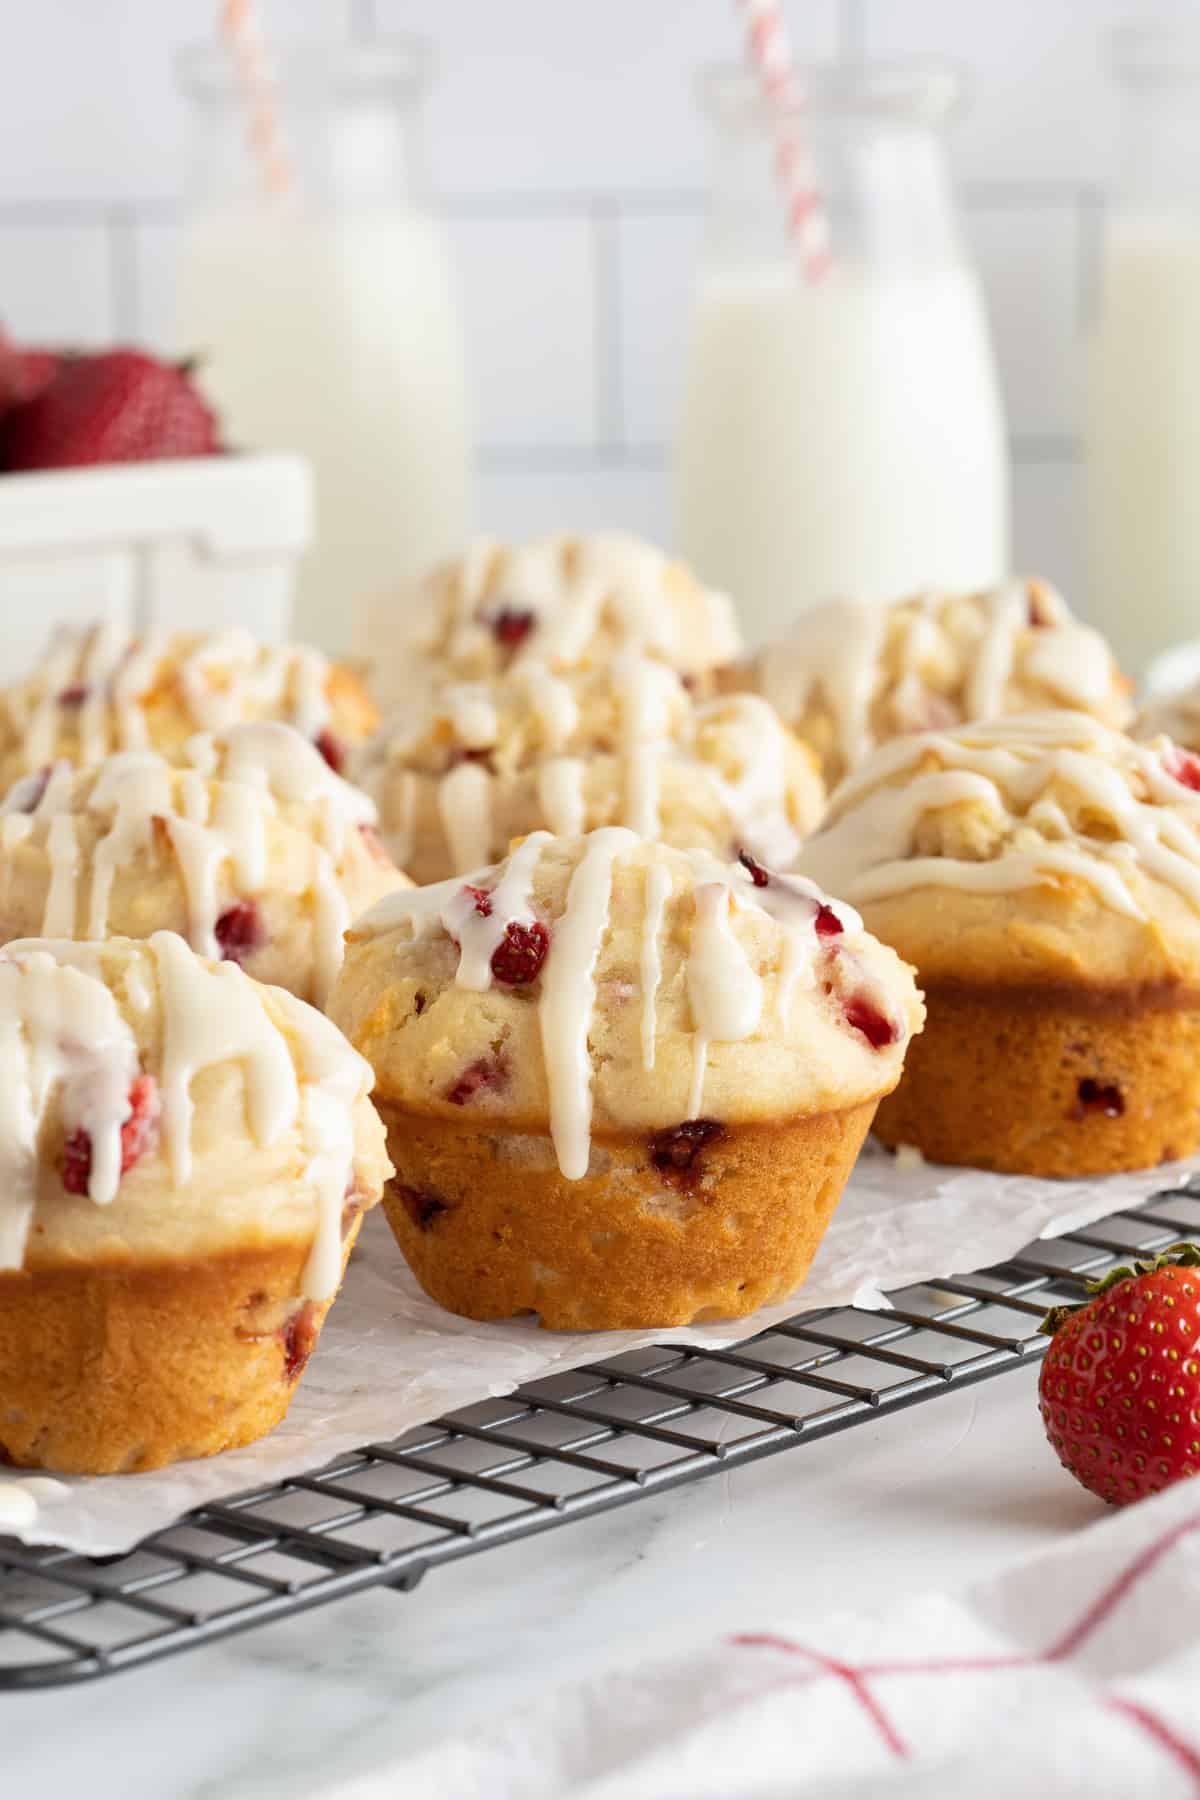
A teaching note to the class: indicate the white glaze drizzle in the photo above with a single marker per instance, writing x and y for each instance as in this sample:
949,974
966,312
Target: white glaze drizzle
60,1030
1012,771
725,989
839,649
658,892
221,678
464,798
250,773
471,714
835,648
332,1084
644,691
216,1015
569,993
1006,612
571,585
552,702
62,847
655,724
757,801
478,934
560,793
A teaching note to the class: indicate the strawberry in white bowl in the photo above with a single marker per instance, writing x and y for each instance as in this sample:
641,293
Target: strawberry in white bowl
118,503
68,410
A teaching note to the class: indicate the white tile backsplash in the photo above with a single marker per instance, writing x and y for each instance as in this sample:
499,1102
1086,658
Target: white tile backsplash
1047,514
1039,104
519,502
578,94
1030,261
571,151
56,282
527,289
658,256
89,109
152,246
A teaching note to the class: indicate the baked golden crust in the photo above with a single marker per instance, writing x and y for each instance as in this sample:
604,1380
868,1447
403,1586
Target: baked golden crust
187,1155
661,1231
1051,1079
116,1366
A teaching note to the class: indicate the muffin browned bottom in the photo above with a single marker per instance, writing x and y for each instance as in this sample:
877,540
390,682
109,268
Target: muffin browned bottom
114,1367
1051,1081
662,1230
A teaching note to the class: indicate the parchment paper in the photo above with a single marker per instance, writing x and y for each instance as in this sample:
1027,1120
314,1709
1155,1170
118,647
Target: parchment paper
390,1359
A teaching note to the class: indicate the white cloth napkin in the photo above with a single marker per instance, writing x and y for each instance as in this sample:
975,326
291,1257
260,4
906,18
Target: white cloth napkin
1074,1673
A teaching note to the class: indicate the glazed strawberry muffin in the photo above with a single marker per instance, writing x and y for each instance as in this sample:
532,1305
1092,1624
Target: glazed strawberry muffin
564,600
851,676
1043,874
255,851
621,745
98,690
187,1155
623,1084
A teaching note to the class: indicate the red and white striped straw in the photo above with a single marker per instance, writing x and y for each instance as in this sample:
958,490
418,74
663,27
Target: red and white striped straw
771,54
243,34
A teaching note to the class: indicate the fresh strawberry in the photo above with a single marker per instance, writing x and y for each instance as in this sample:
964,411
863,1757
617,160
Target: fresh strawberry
239,931
1120,1384
25,369
139,1134
1184,765
518,958
332,749
116,407
754,869
299,1337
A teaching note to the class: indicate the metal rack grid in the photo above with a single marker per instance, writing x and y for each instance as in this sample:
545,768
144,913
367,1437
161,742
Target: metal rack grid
562,1449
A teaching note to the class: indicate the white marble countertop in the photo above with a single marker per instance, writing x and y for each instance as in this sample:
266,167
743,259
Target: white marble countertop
929,1497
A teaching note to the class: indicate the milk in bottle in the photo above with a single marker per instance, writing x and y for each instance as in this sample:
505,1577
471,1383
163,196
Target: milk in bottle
844,435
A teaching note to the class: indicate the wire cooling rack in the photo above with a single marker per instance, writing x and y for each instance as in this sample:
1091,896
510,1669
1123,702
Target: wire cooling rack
562,1449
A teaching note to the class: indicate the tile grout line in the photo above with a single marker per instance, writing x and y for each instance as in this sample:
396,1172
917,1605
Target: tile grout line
1028,450
607,348
976,195
122,273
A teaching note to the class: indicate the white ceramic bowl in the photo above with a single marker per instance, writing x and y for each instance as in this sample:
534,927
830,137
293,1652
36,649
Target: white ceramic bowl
197,543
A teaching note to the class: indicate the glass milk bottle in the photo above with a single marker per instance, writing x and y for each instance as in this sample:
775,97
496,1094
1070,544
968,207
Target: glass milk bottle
1143,439
840,436
325,318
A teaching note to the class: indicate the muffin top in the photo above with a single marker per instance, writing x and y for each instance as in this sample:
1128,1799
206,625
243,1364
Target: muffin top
1175,716
565,600
610,983
620,745
850,676
137,844
159,1106
97,689
1040,848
